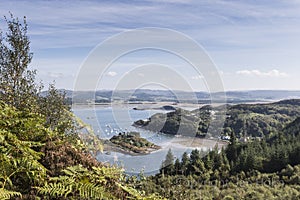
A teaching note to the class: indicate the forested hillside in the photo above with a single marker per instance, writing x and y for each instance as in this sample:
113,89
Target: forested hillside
259,169
243,120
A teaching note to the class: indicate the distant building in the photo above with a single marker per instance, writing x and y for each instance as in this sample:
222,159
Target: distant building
225,137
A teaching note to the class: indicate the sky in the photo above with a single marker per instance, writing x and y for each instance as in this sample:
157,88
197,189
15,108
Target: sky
253,44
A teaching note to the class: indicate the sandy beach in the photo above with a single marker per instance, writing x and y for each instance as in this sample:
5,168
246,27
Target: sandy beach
195,142
185,142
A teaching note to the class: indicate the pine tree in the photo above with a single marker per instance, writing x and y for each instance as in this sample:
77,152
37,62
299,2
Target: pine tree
168,164
177,166
231,150
184,163
196,164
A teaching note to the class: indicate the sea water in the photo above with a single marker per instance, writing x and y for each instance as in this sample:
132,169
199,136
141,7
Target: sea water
107,121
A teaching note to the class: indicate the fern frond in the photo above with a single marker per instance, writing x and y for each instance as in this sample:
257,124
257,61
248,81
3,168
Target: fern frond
7,194
63,189
135,194
55,189
90,190
77,182
98,183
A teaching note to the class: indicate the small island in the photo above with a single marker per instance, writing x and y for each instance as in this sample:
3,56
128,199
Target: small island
130,143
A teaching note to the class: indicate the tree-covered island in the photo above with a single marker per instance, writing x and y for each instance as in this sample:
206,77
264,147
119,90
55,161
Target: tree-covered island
129,143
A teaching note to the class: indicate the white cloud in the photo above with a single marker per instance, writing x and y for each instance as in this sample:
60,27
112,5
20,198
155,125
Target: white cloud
234,33
197,77
55,75
141,74
87,23
111,73
255,72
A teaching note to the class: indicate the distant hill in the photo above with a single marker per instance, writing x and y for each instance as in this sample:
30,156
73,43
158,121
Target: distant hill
242,120
140,95
293,128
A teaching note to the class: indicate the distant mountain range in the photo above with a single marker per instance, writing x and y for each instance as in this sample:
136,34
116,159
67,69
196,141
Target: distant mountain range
147,95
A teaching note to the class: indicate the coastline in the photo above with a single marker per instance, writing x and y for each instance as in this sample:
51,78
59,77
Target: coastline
186,142
194,142
139,105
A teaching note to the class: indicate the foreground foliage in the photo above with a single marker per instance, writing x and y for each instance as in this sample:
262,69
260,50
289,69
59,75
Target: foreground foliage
21,137
43,154
97,183
258,169
35,162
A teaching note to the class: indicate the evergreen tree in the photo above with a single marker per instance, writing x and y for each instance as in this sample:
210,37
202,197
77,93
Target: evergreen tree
184,163
177,166
231,150
196,164
168,164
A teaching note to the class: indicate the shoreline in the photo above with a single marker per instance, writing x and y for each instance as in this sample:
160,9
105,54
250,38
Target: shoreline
141,105
156,105
194,142
185,142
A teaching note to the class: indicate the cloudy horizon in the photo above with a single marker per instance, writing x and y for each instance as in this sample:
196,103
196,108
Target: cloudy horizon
254,44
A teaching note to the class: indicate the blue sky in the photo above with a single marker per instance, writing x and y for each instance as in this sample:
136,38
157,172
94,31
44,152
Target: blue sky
254,44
